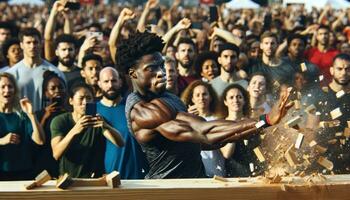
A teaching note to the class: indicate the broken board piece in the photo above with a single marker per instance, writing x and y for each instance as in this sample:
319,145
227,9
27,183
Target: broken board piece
303,67
220,178
297,105
292,122
251,167
299,141
259,154
325,89
310,109
113,179
348,124
320,149
325,163
63,182
291,157
347,132
312,143
42,178
276,179
336,113
340,94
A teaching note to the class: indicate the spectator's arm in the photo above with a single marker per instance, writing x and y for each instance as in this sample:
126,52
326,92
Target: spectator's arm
226,35
125,15
181,25
89,43
142,21
228,150
338,22
282,49
323,14
50,30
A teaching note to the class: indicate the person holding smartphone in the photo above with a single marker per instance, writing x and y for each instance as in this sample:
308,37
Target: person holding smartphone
78,139
54,96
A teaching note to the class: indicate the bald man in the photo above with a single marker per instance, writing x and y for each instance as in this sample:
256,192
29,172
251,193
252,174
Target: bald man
130,161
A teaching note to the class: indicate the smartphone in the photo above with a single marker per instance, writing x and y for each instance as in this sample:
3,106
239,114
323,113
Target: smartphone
98,35
213,14
58,101
90,109
71,5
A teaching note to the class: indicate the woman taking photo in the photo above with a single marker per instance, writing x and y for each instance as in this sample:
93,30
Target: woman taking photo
201,100
19,129
78,139
54,93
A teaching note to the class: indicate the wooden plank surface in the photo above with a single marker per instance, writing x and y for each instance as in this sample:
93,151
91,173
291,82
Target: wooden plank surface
335,187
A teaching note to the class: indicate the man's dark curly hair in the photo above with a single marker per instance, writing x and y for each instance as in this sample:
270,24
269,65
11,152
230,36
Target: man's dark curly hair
137,45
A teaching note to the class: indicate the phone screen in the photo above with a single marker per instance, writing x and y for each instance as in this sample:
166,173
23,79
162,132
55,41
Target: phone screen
90,109
72,5
213,11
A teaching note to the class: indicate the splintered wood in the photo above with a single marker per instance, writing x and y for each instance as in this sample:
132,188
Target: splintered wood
336,113
220,178
303,67
42,178
259,154
310,109
325,163
293,122
340,94
347,132
297,105
291,157
299,141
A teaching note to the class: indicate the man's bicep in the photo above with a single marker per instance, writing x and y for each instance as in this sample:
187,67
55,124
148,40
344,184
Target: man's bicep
150,115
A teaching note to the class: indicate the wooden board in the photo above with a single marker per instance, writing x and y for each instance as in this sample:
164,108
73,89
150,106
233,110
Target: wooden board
336,187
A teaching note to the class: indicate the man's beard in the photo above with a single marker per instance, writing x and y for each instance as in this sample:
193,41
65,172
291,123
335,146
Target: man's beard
186,65
68,63
340,83
112,96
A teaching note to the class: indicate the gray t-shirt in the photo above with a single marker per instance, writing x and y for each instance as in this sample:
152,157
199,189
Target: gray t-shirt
219,85
30,80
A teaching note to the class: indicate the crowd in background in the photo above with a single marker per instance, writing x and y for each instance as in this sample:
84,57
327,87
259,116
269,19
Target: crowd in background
229,65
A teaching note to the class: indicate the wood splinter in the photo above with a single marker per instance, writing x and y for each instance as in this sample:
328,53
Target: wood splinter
111,180
42,178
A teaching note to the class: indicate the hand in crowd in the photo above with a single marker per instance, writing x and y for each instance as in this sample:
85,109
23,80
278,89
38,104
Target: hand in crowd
26,106
51,109
183,24
83,123
151,4
193,110
127,14
89,43
10,138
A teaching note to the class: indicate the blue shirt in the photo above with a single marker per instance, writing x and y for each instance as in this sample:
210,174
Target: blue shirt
129,160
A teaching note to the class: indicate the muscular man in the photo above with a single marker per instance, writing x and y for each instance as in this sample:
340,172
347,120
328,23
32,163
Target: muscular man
171,138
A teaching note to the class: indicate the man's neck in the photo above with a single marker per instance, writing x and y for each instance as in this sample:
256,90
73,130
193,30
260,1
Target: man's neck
322,48
227,76
271,61
64,68
295,59
32,61
111,103
337,87
183,71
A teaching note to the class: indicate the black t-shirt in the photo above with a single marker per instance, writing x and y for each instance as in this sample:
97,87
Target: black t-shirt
337,152
282,73
169,159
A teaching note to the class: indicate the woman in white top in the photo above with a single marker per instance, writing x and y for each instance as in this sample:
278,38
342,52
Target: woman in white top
201,100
